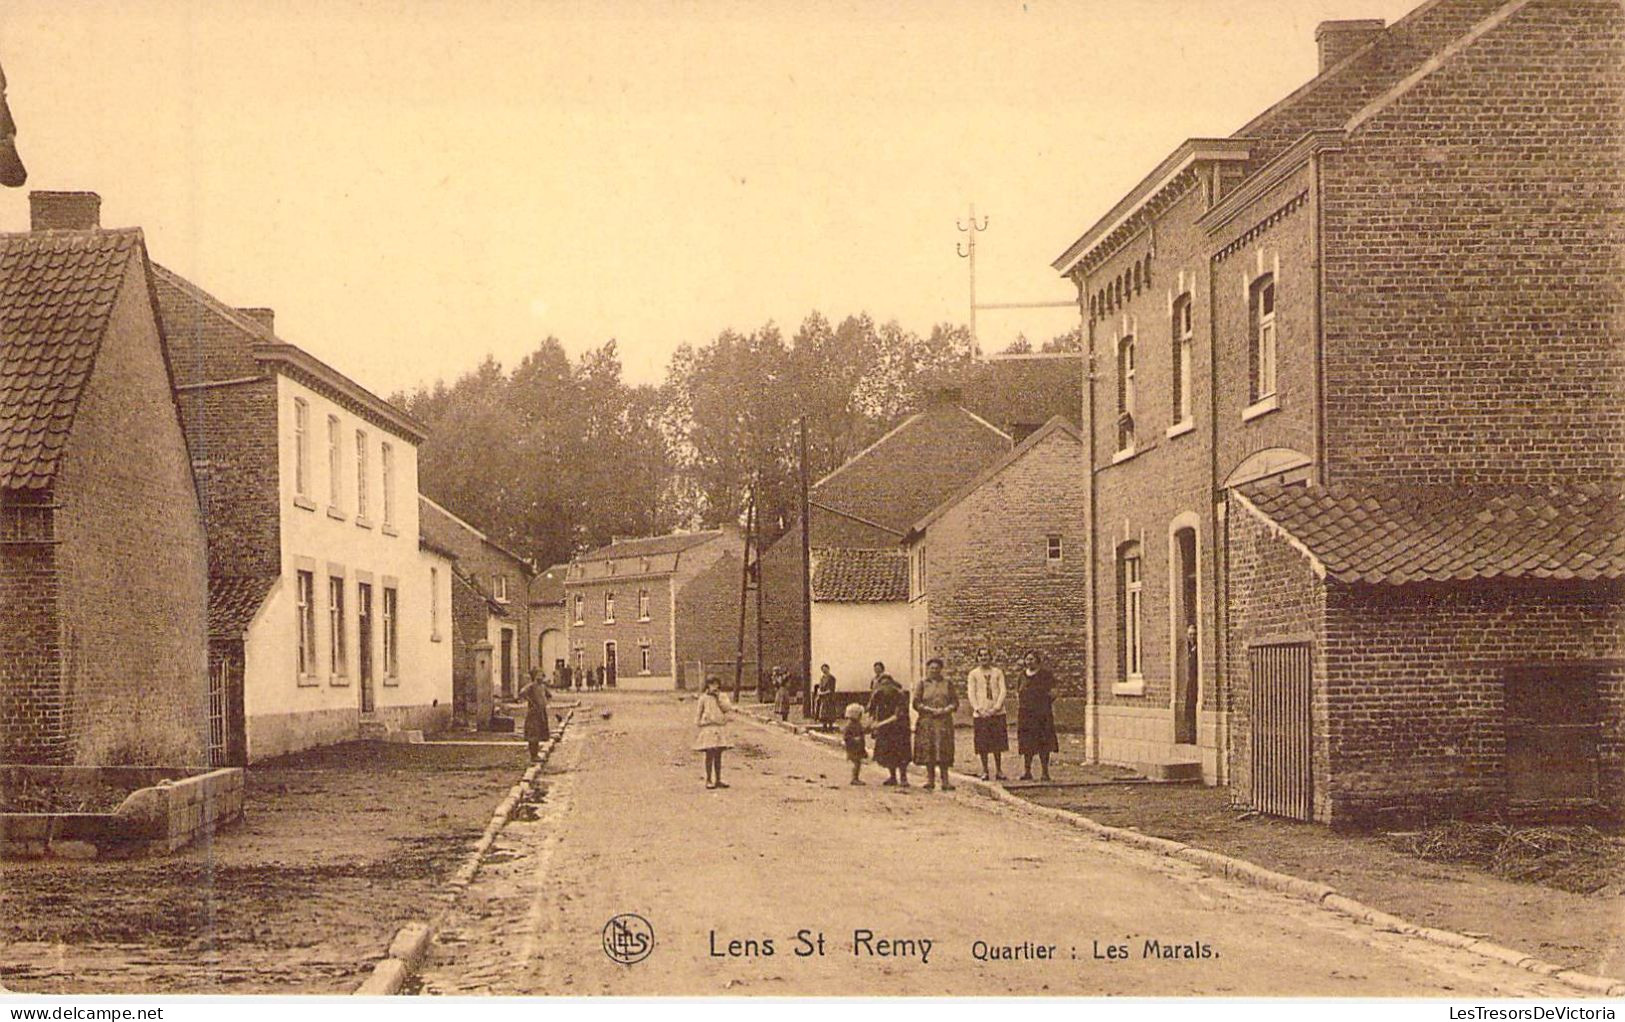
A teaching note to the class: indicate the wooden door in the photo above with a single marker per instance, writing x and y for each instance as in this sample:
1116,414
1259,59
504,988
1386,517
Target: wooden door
364,642
1280,684
1552,726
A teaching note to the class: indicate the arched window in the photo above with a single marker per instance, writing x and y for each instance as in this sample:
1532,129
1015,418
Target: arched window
1125,394
1148,269
1137,282
1130,618
1181,377
1262,351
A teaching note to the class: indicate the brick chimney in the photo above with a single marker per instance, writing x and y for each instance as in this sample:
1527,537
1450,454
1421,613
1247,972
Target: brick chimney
264,317
64,211
1338,39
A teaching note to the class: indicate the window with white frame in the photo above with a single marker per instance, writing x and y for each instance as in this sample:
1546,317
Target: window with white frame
335,624
645,657
305,597
386,464
1261,361
1183,336
1130,638
499,587
301,447
1125,394
643,604
580,609
609,608
643,565
361,491
335,464
611,566
392,638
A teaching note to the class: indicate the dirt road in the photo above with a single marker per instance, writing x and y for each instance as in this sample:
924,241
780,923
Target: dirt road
912,892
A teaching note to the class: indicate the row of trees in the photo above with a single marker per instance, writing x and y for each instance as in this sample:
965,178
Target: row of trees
558,455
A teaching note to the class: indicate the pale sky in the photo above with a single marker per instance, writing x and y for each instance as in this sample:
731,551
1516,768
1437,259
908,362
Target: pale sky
412,185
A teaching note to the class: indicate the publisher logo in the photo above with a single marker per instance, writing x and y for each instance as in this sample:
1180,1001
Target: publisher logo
628,938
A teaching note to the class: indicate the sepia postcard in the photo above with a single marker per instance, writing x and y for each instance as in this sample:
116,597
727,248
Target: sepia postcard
803,500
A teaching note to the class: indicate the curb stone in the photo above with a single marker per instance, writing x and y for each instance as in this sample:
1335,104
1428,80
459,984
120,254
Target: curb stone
1252,874
411,942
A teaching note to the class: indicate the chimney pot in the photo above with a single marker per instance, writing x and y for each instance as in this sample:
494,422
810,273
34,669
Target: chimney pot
1338,39
264,317
64,211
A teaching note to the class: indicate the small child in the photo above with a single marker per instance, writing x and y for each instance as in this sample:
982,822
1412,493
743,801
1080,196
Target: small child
857,749
711,736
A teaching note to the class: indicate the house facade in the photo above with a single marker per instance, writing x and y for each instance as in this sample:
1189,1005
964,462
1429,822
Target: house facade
326,613
103,561
860,614
868,504
659,612
494,583
1001,562
1357,313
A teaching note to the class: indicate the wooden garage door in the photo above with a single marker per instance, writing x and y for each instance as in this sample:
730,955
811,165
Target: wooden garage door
1552,728
1280,682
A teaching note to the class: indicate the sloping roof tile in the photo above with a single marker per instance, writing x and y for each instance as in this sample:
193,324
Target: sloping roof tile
233,602
1391,537
844,575
650,546
547,588
57,291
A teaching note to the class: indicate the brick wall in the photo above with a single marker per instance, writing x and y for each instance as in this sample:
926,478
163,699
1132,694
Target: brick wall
708,616
1474,303
987,573
1415,676
33,722
627,632
1273,597
133,558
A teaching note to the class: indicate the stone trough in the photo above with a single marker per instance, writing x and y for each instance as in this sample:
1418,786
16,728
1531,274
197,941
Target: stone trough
169,809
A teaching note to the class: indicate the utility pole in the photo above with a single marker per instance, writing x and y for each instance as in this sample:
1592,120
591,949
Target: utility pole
806,580
744,592
968,251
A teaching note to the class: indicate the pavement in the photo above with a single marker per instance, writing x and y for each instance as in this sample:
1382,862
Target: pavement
912,892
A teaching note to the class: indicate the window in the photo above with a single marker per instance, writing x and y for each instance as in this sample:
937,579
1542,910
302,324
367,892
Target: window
391,635
609,608
1261,363
611,566
335,624
434,603
644,657
643,565
301,447
580,609
1129,637
1052,549
361,473
1182,359
335,464
386,462
1125,394
499,587
643,604
305,596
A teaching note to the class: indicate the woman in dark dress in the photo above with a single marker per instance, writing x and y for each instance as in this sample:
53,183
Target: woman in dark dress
829,711
888,708
535,696
1035,719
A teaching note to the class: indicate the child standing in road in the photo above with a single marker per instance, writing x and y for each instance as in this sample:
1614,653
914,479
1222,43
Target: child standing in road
857,748
712,736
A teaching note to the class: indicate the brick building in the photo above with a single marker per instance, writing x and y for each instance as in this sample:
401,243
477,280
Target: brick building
549,648
1000,563
1019,393
1385,311
103,564
490,603
327,617
869,503
660,611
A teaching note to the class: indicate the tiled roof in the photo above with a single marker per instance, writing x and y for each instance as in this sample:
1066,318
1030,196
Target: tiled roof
1019,393
650,546
1441,535
233,602
57,290
548,588
909,471
844,575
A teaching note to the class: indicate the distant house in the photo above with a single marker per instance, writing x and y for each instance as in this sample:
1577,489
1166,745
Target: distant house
869,503
103,559
659,612
1019,393
860,613
495,579
549,646
1001,562
327,617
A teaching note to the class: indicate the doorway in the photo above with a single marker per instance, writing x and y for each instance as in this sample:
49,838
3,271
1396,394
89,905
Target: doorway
1552,725
507,663
609,664
1186,694
364,641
